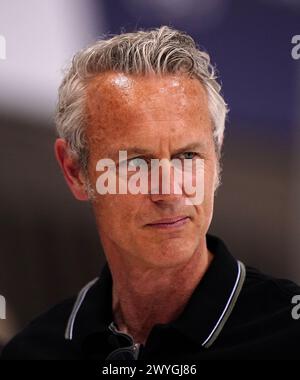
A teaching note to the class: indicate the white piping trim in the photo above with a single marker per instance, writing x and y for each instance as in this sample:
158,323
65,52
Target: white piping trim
83,292
237,281
76,307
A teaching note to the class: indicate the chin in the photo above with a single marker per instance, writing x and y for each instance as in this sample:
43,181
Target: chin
170,254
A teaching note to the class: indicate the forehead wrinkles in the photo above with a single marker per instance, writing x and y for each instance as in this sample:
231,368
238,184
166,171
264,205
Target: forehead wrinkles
116,101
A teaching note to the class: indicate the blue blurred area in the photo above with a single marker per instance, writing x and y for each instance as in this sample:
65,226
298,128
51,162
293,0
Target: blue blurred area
250,41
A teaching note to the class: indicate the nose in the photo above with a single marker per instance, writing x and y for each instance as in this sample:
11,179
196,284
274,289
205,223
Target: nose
166,183
169,202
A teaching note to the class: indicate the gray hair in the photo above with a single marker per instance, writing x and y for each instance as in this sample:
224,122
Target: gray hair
160,51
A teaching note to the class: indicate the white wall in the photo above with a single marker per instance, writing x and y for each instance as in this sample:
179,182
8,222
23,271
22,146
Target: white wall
41,36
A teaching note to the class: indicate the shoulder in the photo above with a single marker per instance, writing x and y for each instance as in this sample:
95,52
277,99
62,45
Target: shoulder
44,337
267,316
50,335
268,289
274,297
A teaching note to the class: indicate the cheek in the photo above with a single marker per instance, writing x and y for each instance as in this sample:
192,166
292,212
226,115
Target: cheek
115,211
205,209
210,172
209,195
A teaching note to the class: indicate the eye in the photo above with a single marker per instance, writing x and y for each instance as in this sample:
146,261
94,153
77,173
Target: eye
188,155
136,162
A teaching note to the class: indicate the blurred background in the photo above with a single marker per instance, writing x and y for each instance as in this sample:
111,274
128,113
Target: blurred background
49,246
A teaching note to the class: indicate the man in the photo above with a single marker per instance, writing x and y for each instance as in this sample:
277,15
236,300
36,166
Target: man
169,290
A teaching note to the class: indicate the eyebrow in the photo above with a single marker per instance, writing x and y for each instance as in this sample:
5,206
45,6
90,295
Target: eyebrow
198,146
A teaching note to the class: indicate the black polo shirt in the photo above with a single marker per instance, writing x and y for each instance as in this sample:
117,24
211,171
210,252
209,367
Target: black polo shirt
235,312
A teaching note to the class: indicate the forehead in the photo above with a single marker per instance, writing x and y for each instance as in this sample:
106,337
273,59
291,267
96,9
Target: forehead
126,91
122,107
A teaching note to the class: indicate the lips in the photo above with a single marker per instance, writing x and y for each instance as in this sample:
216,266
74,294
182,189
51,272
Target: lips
170,222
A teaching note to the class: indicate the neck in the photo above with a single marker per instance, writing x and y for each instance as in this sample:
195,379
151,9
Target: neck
143,297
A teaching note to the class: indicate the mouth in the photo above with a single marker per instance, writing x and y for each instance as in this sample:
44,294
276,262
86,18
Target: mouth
170,222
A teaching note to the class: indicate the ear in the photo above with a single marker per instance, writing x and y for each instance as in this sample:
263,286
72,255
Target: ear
71,170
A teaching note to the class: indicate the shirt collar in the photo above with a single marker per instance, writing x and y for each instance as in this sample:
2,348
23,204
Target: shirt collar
214,297
202,319
92,311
